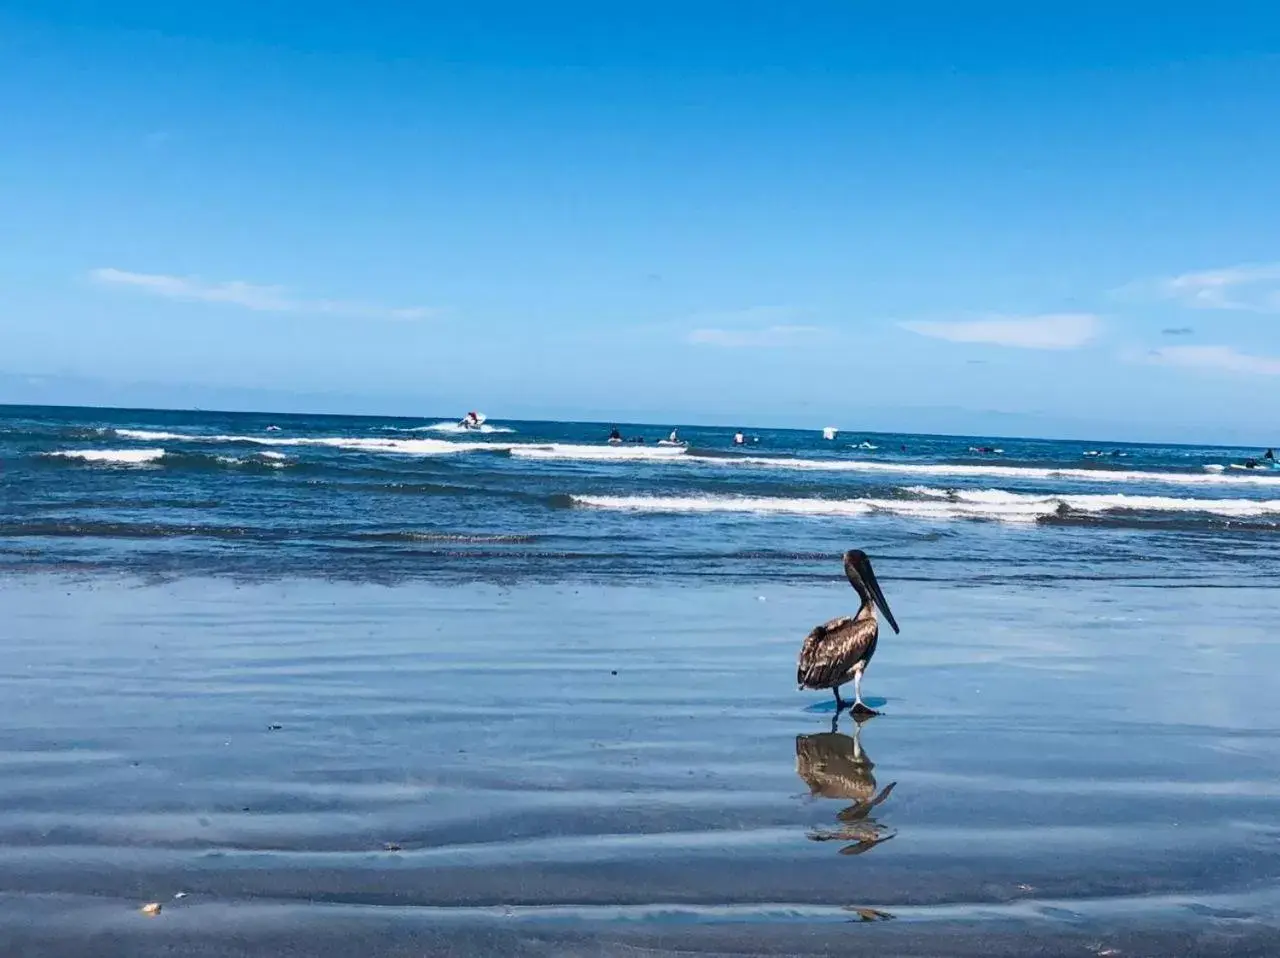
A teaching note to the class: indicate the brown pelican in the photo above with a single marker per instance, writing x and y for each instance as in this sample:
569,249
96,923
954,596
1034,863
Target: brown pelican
835,766
839,651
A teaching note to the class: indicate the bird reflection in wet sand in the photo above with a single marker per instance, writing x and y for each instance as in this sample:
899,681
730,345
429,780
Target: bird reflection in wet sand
835,766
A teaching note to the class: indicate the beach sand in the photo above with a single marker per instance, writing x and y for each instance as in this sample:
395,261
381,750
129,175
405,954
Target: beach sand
338,770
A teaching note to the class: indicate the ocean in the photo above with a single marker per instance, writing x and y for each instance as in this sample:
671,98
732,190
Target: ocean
167,493
338,687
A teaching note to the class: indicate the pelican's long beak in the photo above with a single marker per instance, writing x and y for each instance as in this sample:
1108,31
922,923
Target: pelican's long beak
869,575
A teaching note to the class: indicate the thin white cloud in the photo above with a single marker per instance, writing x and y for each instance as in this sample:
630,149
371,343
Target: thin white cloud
1253,287
1224,358
268,299
755,338
1052,331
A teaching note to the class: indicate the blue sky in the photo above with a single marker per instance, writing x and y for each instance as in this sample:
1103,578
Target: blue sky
999,220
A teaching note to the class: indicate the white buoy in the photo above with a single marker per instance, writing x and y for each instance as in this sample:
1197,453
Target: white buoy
829,432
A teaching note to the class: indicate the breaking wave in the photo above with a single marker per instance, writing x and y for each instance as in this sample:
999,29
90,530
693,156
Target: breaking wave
114,457
965,470
928,503
1212,474
168,458
407,447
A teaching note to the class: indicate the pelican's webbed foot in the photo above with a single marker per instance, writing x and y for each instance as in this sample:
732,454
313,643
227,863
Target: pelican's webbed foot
860,709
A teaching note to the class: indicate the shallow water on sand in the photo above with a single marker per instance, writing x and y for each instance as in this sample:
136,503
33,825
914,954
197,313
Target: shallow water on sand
321,769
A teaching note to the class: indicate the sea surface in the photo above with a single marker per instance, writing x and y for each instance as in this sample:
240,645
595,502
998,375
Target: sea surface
378,498
339,687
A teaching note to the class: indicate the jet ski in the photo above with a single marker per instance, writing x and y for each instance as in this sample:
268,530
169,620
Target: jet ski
472,420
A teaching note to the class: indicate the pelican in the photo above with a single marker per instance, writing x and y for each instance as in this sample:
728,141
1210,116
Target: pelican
835,766
839,651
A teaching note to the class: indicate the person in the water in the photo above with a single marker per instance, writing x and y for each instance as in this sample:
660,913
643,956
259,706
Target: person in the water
1269,455
614,435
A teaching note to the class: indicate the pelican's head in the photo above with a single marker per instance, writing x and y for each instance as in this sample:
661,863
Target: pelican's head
863,578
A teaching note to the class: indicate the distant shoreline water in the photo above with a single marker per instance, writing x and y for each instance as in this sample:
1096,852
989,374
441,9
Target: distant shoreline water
183,492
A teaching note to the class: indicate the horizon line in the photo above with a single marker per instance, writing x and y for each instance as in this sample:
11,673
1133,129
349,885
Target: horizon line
622,422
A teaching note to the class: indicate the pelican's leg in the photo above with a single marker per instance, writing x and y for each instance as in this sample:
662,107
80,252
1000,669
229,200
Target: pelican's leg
859,707
840,703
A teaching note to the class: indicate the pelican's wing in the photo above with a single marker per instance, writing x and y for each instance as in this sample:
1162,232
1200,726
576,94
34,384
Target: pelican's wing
830,649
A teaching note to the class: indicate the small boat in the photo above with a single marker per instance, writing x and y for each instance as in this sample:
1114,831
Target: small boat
1267,461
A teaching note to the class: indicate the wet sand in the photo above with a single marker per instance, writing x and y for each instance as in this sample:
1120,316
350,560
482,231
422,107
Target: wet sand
343,770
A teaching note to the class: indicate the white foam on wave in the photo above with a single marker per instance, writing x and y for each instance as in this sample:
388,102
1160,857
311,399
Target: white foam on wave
1117,502
1212,474
276,460
848,508
760,504
959,470
454,427
603,452
942,504
406,447
119,457
150,435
